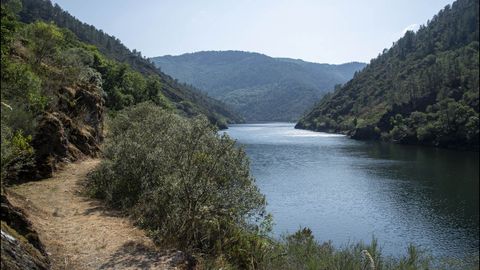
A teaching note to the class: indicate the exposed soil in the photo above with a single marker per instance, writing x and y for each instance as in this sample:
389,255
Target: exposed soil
80,233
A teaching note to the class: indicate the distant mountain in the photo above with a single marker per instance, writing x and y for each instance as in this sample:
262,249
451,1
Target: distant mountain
424,90
259,87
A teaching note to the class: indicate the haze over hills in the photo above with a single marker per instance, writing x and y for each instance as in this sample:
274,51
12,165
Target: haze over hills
424,90
259,87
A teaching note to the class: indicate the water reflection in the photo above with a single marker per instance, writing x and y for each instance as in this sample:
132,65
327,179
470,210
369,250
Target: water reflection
347,190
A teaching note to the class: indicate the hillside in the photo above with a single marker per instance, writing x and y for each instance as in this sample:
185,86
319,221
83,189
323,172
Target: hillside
185,98
423,90
56,91
259,87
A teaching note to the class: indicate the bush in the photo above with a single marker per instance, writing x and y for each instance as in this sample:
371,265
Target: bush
15,146
300,251
179,179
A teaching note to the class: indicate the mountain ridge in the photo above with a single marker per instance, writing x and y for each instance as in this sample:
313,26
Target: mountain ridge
260,87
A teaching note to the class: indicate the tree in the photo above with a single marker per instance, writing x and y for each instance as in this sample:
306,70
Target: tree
45,40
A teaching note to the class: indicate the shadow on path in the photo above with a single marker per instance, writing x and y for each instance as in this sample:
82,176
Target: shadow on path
136,255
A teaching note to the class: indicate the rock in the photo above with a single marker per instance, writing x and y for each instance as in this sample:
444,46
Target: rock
50,143
17,254
71,130
21,247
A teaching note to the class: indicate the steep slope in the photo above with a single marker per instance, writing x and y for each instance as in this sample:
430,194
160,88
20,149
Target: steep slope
260,87
423,90
184,97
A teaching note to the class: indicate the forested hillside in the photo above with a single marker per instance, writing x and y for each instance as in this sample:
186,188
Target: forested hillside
260,87
183,97
57,86
423,90
59,80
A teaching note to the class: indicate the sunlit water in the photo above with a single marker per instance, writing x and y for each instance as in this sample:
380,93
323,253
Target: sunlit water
347,190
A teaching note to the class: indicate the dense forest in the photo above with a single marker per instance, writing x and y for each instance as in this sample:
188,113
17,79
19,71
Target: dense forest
423,90
259,87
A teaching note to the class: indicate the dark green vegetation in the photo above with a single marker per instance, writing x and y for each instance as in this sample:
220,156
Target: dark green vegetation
423,90
259,87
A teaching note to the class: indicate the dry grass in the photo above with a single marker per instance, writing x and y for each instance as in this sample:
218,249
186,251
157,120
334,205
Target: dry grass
79,233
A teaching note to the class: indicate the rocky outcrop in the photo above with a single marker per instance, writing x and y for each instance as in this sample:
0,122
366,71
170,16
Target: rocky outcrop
21,247
71,130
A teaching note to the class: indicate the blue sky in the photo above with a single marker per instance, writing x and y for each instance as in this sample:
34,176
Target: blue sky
325,31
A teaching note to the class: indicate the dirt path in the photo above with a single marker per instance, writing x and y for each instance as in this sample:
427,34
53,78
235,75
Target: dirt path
79,233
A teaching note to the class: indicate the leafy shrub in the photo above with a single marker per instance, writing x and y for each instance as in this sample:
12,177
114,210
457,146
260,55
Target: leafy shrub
14,145
45,39
180,180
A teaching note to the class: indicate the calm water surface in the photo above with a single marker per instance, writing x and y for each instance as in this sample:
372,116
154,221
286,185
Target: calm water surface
347,190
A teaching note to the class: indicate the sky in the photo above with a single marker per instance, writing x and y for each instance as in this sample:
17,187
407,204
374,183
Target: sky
323,31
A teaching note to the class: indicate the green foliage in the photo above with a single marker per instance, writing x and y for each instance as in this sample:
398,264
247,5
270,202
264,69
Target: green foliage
21,95
21,143
430,78
301,251
44,40
259,87
111,56
14,145
8,25
181,181
21,85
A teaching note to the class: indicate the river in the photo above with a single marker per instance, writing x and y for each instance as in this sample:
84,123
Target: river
347,190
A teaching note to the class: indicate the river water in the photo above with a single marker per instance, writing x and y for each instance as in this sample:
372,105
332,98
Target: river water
347,190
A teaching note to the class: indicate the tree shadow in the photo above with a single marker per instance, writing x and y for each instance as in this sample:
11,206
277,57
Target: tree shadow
100,208
139,256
